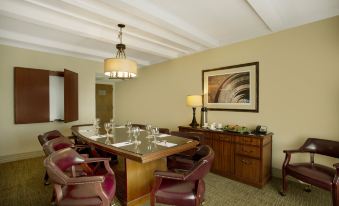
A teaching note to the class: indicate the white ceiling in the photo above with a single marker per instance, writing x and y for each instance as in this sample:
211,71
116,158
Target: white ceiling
157,30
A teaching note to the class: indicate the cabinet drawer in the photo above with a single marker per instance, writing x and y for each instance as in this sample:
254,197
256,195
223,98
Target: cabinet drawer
248,140
247,150
247,169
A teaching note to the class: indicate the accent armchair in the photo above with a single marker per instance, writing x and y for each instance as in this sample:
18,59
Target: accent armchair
186,188
43,138
73,190
61,143
312,173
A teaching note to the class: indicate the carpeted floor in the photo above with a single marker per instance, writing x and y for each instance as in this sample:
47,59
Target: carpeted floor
21,185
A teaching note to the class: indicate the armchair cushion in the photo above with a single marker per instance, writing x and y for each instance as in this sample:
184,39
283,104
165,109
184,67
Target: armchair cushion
317,174
176,192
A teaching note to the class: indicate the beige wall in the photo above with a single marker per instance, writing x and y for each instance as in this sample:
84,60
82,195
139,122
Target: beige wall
22,138
299,86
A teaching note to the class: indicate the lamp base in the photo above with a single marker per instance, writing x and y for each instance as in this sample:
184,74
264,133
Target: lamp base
194,122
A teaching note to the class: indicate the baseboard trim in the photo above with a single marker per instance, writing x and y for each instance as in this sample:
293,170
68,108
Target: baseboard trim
21,156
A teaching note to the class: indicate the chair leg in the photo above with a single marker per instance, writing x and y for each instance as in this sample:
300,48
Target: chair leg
308,188
335,196
284,184
152,198
46,182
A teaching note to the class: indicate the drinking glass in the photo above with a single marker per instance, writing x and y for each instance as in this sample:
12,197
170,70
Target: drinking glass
112,126
129,126
112,121
107,126
136,133
155,133
96,125
148,130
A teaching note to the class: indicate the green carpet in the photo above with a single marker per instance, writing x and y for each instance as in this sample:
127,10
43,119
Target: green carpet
21,184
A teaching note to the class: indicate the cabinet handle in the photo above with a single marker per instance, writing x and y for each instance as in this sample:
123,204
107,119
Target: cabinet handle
245,162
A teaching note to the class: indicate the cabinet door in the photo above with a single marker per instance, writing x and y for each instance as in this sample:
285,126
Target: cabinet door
227,155
218,158
71,96
31,93
247,169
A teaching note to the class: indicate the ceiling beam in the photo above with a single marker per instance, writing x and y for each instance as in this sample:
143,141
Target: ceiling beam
122,17
161,17
267,13
77,27
70,48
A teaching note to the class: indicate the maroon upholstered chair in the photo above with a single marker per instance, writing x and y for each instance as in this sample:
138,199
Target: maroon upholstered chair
312,173
185,160
186,188
73,190
43,138
61,143
161,130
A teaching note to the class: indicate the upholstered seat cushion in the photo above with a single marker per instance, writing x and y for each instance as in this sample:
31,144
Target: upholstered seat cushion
315,174
175,192
177,162
85,194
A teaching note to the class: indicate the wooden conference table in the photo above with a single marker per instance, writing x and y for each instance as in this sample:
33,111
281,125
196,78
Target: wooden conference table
136,163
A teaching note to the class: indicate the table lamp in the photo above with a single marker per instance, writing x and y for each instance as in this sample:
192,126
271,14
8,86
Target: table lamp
194,101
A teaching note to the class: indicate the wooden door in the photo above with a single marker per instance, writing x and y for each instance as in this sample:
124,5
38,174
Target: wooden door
104,102
71,110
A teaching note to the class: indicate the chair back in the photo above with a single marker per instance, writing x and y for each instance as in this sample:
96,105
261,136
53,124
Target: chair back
203,165
143,126
58,162
56,144
321,146
189,135
43,138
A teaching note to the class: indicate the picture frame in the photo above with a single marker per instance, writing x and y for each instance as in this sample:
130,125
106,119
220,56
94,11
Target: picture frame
232,88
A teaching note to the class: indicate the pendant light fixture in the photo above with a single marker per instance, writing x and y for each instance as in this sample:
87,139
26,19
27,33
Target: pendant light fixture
120,67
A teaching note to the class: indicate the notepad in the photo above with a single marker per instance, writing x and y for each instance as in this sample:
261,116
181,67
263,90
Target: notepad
122,126
166,144
122,144
94,137
163,135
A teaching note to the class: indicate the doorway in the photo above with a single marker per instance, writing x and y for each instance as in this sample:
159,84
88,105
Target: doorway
104,102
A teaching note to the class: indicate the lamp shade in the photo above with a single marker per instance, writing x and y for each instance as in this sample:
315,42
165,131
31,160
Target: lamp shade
194,100
120,68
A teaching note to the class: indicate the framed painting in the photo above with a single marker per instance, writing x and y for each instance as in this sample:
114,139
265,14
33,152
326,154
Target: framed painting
234,88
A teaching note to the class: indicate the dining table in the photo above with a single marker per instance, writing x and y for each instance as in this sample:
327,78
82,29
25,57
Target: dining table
134,161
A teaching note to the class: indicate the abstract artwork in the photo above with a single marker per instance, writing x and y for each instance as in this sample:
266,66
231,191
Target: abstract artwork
232,88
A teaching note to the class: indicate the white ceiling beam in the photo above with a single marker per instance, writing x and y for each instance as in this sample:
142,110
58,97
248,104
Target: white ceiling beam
25,45
95,7
267,13
63,23
15,36
106,13
161,17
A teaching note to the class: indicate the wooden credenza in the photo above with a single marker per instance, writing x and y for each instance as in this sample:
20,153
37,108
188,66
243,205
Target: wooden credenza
245,158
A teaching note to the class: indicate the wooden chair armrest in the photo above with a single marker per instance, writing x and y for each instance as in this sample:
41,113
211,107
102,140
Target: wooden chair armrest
101,159
80,146
295,151
97,159
169,175
85,180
